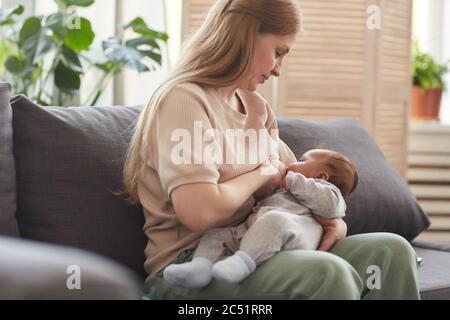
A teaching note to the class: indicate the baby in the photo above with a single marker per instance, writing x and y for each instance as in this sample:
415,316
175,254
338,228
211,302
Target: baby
318,183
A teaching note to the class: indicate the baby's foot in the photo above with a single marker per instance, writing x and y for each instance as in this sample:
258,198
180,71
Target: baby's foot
234,269
193,274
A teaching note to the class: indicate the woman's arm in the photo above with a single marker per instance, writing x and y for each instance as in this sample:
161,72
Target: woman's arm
201,206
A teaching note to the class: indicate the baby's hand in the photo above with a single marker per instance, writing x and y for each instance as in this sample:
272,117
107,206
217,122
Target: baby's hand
284,184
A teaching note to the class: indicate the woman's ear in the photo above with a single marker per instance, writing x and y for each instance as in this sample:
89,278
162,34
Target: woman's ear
323,176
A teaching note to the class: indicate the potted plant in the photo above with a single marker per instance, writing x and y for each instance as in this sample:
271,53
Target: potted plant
428,85
45,57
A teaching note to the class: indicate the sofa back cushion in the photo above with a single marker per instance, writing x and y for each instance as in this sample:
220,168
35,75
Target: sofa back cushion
69,161
8,223
382,201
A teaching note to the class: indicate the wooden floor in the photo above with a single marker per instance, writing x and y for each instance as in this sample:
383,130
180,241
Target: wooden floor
429,176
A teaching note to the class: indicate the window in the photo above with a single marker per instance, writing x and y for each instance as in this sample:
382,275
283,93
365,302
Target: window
129,88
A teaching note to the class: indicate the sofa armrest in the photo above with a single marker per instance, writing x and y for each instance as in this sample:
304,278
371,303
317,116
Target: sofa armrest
431,245
33,270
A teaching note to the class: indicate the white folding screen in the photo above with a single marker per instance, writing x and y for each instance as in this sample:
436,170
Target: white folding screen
341,67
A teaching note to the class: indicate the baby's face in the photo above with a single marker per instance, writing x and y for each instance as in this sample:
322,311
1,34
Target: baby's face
310,164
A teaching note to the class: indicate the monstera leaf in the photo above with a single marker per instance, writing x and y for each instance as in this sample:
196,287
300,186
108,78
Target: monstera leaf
132,53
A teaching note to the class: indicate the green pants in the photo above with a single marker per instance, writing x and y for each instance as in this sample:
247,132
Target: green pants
364,266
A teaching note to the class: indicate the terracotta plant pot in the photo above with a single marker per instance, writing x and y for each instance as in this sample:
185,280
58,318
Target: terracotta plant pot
425,105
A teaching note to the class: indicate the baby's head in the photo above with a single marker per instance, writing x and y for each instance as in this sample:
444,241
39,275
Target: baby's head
330,166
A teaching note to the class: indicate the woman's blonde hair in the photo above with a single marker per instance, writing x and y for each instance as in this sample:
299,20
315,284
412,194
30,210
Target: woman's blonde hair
217,55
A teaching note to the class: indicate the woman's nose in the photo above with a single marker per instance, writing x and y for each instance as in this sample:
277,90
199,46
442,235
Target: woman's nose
276,71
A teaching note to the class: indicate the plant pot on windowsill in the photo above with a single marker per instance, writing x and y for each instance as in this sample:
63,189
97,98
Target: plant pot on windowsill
428,81
425,104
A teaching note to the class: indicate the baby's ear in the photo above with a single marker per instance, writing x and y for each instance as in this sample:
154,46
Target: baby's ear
324,176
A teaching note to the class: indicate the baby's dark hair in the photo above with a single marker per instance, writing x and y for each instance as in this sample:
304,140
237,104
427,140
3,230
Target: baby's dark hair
342,168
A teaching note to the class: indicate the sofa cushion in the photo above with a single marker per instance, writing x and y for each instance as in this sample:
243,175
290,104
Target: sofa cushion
8,224
382,201
68,162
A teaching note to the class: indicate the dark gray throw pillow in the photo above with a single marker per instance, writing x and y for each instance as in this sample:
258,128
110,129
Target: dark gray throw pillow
382,201
68,160
8,223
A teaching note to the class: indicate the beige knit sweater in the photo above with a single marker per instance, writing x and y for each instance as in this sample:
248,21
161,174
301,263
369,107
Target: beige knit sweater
188,110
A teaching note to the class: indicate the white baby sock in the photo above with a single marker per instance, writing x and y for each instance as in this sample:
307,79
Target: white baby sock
193,274
234,269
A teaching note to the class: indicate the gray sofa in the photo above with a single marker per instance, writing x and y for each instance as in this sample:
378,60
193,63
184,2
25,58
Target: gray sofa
64,235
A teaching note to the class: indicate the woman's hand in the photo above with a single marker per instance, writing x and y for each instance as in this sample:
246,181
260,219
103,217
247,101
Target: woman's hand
275,170
334,230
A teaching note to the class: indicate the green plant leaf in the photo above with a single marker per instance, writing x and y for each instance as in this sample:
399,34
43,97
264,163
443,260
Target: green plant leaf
34,40
118,53
20,68
147,47
14,65
66,79
139,26
7,48
30,27
426,72
6,14
79,39
108,66
3,55
152,55
143,43
78,3
55,22
71,60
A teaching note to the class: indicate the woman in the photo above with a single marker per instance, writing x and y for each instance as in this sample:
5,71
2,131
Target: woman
239,46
